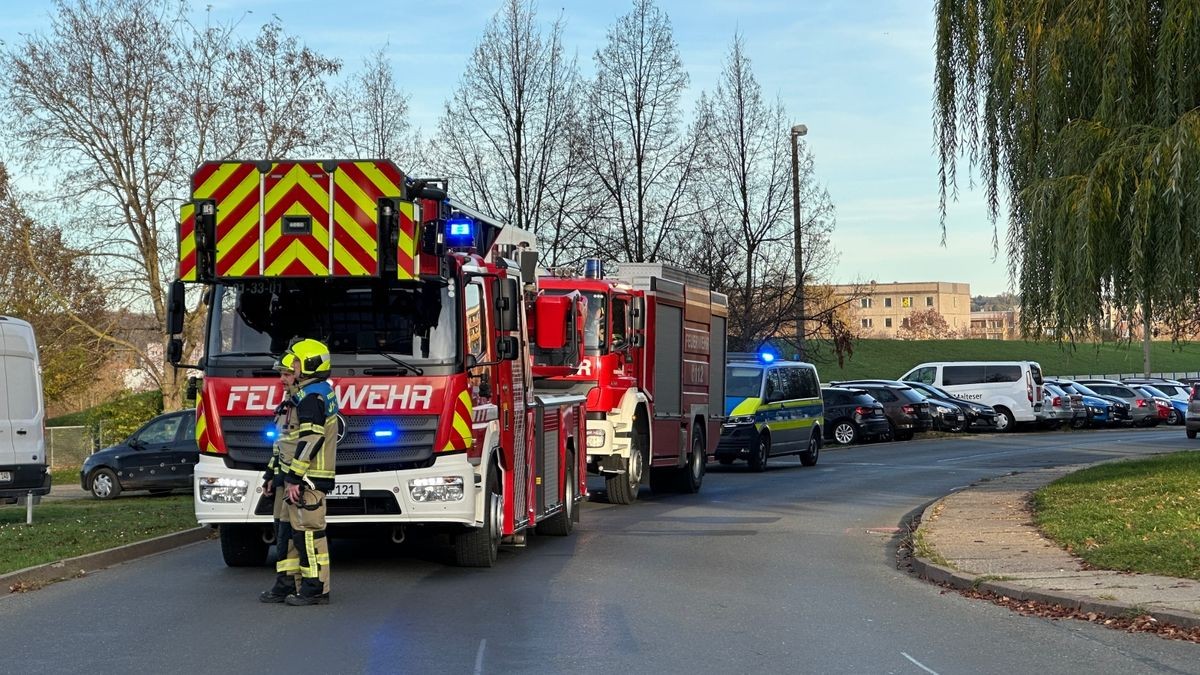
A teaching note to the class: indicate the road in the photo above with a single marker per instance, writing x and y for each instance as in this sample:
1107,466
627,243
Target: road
791,571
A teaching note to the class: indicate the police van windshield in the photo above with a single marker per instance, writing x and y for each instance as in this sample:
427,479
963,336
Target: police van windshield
362,317
743,381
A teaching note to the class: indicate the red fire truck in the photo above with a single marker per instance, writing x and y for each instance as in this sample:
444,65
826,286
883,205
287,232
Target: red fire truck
441,422
653,373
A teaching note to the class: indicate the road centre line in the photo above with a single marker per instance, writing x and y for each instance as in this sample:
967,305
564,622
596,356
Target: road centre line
479,656
920,665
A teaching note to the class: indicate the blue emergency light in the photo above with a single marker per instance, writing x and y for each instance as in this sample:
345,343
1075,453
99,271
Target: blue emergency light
384,433
766,357
460,231
271,433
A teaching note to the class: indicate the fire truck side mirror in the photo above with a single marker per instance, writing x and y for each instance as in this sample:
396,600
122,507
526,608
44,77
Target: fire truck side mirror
637,314
174,351
527,260
507,304
175,308
507,347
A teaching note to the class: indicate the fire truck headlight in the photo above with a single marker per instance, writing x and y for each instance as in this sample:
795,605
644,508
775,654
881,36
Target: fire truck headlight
595,438
436,489
215,490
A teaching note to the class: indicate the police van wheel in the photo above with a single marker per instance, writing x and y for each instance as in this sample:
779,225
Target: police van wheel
243,545
809,456
758,460
562,523
479,547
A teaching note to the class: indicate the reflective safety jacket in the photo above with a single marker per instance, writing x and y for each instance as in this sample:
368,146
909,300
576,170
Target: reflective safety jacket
283,450
315,436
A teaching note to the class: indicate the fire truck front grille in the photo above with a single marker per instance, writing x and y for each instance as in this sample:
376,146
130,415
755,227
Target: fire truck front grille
369,443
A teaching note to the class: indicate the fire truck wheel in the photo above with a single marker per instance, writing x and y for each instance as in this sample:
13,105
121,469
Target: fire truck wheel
243,545
692,475
479,547
758,461
623,488
809,456
562,523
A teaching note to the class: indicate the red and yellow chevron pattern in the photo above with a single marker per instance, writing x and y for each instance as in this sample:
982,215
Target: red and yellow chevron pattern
461,436
336,212
203,441
187,242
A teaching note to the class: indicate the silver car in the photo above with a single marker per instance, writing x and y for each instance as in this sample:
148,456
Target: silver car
1061,408
1143,411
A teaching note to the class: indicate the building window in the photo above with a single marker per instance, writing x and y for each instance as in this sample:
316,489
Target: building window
887,323
887,302
866,323
865,303
904,322
929,301
906,301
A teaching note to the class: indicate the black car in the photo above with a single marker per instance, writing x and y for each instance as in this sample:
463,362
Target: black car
978,415
947,413
159,457
907,410
852,415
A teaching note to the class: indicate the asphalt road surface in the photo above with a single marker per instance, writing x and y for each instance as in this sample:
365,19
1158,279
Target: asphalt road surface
790,571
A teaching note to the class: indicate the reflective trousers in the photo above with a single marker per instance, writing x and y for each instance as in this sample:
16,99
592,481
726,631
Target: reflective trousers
307,554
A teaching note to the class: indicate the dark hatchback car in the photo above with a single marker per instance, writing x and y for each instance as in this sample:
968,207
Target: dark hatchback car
159,457
852,415
906,409
978,415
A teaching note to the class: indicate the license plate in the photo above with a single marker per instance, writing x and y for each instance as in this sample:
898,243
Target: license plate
5,476
343,491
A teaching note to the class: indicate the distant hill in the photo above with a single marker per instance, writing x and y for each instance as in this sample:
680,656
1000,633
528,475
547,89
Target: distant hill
995,303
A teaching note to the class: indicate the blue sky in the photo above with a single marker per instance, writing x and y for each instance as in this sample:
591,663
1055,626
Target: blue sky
859,74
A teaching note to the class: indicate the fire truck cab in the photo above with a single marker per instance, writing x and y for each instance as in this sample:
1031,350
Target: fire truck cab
653,372
428,320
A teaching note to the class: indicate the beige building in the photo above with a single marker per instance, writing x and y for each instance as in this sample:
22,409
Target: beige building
995,325
881,310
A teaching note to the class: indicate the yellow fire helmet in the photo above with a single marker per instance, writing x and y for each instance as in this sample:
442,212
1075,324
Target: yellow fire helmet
284,364
313,357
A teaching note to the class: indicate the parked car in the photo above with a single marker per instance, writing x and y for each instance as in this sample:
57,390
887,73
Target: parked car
1061,407
908,412
1192,421
1142,410
1175,389
979,416
1098,410
159,457
852,415
946,413
1171,410
1119,408
772,408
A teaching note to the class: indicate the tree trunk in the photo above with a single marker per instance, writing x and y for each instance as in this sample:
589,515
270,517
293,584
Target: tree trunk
1146,337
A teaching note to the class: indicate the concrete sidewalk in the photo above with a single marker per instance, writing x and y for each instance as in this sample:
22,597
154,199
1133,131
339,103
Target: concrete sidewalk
984,539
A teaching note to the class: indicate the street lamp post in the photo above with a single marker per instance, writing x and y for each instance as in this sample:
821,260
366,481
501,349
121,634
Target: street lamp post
798,131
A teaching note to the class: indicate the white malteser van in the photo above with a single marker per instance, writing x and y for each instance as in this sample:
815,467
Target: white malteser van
1013,388
22,439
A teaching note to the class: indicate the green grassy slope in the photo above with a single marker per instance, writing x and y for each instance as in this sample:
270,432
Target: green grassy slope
892,358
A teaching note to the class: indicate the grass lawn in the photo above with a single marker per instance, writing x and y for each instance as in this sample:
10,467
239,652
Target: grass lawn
1135,516
893,358
64,529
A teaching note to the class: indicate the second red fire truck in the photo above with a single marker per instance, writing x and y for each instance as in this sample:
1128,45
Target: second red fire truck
653,372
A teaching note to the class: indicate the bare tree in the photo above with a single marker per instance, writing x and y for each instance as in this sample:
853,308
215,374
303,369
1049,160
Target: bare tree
369,116
746,208
928,324
641,155
505,135
120,101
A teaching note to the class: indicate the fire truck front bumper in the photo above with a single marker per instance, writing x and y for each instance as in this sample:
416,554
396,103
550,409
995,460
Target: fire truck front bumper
446,492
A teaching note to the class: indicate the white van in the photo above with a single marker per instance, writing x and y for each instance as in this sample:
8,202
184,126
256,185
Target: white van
22,437
1013,388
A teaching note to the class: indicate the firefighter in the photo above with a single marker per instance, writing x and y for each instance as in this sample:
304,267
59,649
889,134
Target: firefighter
287,573
310,476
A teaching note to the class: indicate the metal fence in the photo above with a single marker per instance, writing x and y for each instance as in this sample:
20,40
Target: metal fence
1122,376
67,447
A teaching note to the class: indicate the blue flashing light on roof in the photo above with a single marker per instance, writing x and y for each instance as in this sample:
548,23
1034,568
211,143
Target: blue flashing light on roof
766,357
460,231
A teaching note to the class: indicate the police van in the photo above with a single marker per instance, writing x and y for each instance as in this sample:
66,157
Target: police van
23,465
1013,388
772,408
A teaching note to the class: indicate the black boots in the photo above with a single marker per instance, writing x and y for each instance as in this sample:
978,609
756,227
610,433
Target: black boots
304,600
284,586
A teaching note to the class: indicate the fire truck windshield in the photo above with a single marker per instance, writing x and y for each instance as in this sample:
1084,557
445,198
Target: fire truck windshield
367,318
